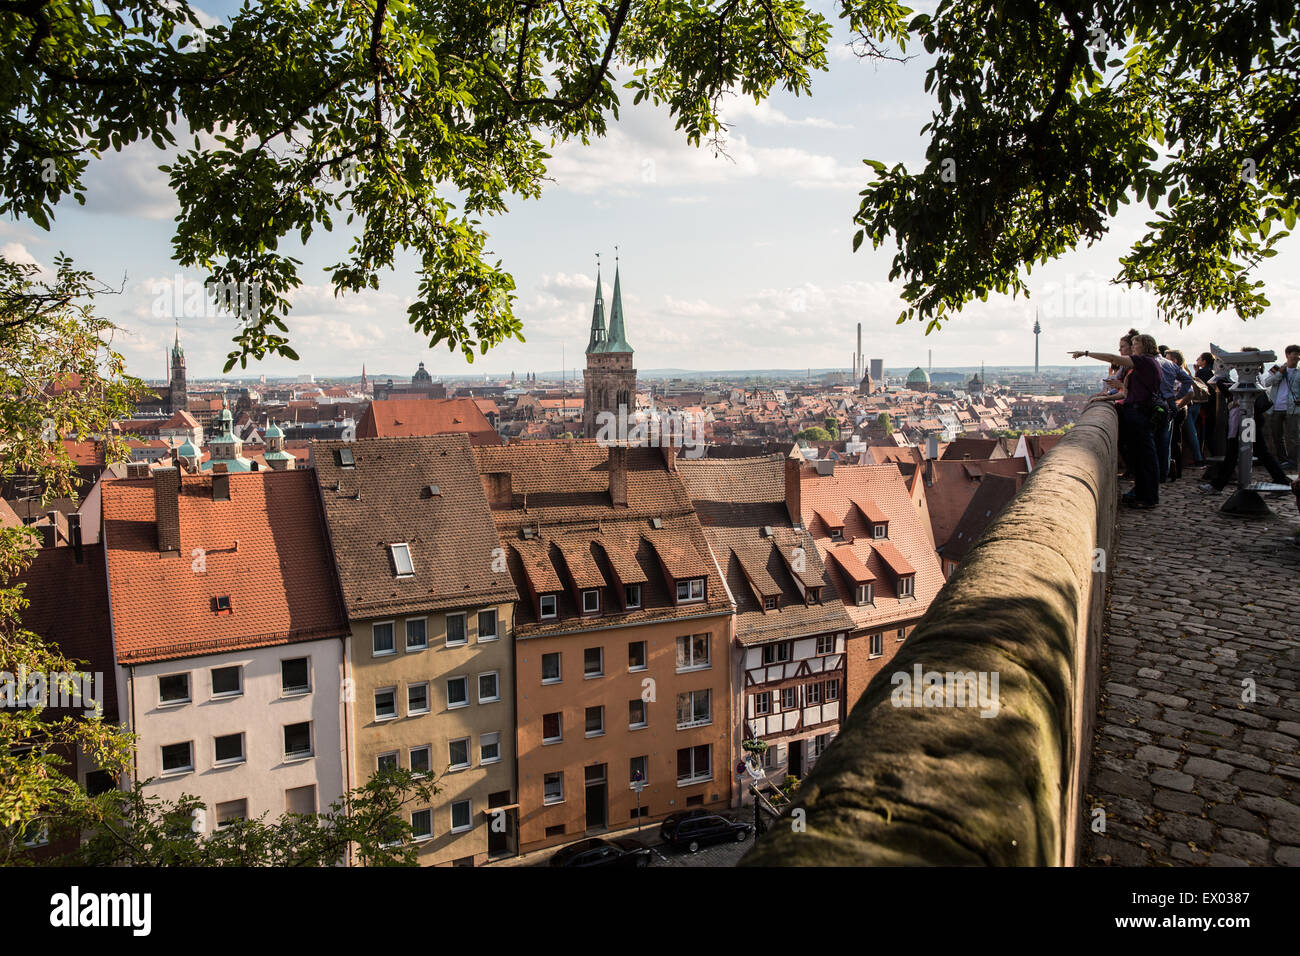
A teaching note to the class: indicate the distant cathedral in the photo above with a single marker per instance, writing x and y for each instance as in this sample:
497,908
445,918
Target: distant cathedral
172,398
609,379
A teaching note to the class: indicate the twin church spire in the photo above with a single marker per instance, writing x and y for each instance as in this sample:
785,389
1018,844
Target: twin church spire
613,339
609,380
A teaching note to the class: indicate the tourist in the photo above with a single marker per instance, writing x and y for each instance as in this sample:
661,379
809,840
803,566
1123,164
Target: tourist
1183,434
1175,384
1142,415
1209,410
1283,419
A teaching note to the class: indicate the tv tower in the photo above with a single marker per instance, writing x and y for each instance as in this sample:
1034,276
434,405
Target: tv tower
1038,330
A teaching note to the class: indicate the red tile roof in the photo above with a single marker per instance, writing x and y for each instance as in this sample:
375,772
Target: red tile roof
406,417
265,549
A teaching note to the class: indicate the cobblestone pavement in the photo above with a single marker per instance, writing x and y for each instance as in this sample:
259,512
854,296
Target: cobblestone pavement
1203,606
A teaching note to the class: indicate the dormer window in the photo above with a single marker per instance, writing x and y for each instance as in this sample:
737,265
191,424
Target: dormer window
221,604
403,566
546,606
632,596
591,601
837,534
814,595
906,585
880,530
769,603
865,595
692,589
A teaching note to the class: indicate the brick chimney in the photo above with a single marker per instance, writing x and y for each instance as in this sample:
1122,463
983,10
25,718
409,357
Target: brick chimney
618,476
793,498
670,455
74,536
167,511
498,489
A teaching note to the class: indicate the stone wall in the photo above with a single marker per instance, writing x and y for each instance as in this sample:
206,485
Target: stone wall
942,785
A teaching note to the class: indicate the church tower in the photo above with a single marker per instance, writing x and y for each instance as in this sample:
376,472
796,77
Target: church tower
609,378
179,400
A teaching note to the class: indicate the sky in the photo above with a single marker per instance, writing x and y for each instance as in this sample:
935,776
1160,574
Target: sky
735,262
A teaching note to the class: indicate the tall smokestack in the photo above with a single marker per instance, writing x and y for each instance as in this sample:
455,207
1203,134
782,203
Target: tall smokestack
860,365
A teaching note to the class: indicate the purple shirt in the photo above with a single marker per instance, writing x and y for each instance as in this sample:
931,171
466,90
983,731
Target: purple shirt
1144,382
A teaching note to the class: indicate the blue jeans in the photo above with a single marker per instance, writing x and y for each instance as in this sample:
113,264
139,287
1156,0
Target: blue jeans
1190,438
1164,435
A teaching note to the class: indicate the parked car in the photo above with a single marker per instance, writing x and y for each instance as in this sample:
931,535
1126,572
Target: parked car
691,831
598,852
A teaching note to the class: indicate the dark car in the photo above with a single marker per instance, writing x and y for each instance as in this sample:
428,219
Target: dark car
690,832
598,852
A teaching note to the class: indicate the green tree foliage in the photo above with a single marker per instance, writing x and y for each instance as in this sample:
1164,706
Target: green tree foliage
410,122
59,377
132,828
885,422
833,428
1050,116
813,434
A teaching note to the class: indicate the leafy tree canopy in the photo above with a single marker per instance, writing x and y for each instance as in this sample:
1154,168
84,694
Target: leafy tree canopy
1051,115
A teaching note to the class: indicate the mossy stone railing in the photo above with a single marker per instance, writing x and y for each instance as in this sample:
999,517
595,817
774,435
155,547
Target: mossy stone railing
943,785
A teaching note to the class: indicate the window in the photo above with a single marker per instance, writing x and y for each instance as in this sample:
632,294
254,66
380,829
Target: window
551,668
826,644
693,709
417,699
457,692
386,761
488,690
229,749
421,758
552,729
595,721
591,601
593,662
231,813
487,625
636,714
489,748
763,703
692,652
174,689
819,744
692,589
300,799
227,681
417,633
177,758
865,595
776,653
344,458
456,632
546,606
458,754
769,604
877,647
787,698
694,765
832,690
636,656
837,534
403,566
812,694
297,740
557,830
295,676
906,585
631,596
386,703
902,633
382,638
880,530
461,816
553,790
638,769
422,825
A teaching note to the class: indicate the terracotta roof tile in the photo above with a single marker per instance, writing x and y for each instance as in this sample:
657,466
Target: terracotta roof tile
408,417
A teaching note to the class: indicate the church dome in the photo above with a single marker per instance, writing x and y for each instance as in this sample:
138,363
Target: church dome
918,376
421,377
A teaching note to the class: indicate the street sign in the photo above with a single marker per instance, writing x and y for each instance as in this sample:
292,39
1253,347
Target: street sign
638,785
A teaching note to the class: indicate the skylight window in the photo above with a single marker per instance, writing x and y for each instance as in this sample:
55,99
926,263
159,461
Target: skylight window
402,563
345,458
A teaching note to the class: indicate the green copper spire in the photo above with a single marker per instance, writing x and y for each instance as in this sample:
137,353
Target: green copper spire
597,341
617,341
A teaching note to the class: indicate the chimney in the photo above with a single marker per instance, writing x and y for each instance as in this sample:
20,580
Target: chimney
618,476
498,488
670,456
220,486
932,447
793,500
74,535
167,510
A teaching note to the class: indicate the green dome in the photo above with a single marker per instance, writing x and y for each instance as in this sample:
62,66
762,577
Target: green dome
918,376
273,431
188,450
